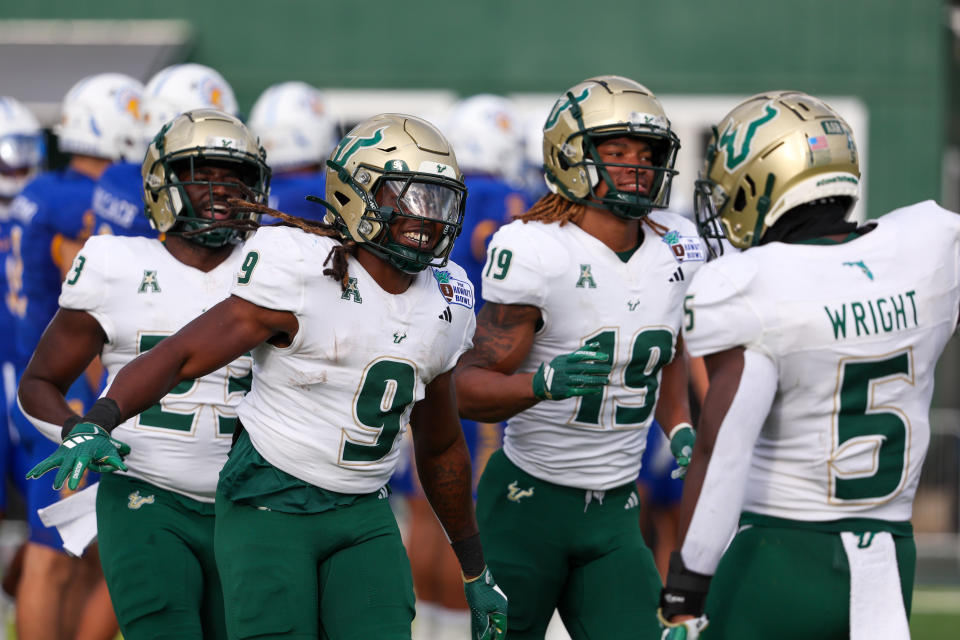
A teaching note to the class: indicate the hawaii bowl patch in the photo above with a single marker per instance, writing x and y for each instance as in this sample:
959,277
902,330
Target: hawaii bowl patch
453,290
685,248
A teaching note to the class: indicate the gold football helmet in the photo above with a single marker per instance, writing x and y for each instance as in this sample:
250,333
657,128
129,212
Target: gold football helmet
596,109
395,166
774,151
192,139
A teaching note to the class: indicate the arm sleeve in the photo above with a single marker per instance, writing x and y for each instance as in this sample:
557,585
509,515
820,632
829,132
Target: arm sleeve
718,507
272,271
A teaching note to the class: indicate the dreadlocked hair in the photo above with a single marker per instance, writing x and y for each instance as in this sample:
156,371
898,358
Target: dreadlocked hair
555,208
338,254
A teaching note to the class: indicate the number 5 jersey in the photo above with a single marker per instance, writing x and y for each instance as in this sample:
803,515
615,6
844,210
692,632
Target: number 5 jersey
854,331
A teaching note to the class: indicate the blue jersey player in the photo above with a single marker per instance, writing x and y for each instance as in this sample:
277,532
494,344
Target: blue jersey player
21,157
298,132
100,125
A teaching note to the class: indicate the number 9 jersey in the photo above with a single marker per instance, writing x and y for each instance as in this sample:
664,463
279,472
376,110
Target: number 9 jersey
587,293
329,409
854,330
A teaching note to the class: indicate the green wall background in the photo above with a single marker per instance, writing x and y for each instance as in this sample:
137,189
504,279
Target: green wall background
892,54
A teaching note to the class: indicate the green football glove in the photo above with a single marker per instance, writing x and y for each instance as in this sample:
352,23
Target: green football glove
686,630
581,373
488,607
682,439
87,445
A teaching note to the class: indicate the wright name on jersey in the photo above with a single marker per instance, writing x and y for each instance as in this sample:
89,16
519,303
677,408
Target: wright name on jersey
140,294
855,331
586,293
331,407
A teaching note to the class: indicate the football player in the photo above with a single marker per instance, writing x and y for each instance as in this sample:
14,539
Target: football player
123,296
485,132
298,131
354,328
22,152
99,126
820,339
574,346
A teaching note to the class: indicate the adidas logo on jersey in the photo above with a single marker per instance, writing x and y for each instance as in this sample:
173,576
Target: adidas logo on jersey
632,501
677,275
446,315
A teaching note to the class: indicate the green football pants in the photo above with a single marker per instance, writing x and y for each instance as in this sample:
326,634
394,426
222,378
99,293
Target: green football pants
789,584
156,549
337,575
580,552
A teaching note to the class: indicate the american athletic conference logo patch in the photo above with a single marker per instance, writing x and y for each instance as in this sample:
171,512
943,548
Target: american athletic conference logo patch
453,290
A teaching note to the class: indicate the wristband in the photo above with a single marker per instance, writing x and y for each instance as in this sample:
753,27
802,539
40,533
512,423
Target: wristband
68,426
677,427
469,552
685,591
104,413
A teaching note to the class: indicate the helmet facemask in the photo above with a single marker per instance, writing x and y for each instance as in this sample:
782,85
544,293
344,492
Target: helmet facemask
21,156
630,203
435,203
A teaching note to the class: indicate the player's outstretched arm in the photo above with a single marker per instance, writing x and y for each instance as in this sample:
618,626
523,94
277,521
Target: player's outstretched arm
209,342
443,465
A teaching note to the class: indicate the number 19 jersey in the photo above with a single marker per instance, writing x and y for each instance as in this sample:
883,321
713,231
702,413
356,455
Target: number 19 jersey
140,294
585,294
855,330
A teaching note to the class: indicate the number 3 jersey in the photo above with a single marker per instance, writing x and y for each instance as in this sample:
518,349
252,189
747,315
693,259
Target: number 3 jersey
140,294
585,294
854,330
330,408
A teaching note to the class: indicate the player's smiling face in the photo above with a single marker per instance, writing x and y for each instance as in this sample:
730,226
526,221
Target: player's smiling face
218,184
635,171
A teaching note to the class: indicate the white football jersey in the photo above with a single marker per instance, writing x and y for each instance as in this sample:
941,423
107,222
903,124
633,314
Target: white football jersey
330,408
585,294
855,330
140,294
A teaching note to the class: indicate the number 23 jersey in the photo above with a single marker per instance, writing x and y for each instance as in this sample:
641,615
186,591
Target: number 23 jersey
140,294
855,330
330,408
585,294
